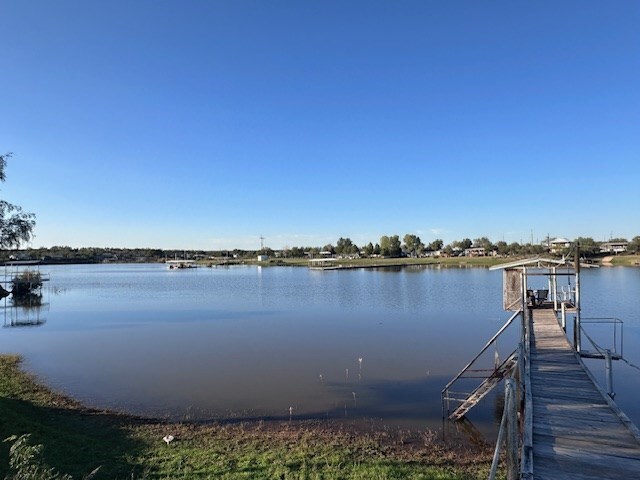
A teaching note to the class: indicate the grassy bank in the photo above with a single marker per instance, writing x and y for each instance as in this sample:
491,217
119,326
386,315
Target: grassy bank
76,440
624,261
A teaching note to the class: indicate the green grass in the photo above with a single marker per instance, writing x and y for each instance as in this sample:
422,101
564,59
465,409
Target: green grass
76,440
625,260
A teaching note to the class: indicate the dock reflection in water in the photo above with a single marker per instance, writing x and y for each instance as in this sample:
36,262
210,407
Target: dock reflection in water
24,311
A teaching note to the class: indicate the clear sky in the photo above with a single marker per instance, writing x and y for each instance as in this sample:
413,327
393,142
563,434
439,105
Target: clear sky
205,124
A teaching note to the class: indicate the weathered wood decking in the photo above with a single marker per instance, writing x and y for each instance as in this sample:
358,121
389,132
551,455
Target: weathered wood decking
577,432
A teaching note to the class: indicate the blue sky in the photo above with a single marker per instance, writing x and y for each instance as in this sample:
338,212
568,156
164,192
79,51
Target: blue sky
203,124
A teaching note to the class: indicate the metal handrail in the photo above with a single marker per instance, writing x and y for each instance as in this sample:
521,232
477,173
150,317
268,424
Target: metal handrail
517,431
445,394
606,320
7,278
526,455
484,349
600,349
601,320
568,295
508,428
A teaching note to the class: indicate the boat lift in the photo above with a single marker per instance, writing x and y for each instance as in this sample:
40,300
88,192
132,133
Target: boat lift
24,311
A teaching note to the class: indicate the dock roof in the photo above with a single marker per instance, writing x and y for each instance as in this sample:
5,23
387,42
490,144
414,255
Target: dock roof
536,262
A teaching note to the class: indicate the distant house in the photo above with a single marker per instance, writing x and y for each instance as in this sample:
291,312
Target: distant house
557,245
475,252
263,258
349,256
614,247
108,257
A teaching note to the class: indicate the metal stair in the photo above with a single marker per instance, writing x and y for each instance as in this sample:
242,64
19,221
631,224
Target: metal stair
504,369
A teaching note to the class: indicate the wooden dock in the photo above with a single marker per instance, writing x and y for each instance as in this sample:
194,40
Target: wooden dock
578,432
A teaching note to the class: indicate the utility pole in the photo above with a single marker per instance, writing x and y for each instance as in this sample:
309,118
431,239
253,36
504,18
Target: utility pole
261,242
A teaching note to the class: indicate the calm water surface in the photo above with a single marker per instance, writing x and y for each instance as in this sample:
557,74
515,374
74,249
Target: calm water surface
251,342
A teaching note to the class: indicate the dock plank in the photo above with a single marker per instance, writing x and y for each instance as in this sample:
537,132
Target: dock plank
576,432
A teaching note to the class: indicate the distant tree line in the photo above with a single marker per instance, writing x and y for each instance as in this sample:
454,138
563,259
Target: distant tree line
389,246
412,245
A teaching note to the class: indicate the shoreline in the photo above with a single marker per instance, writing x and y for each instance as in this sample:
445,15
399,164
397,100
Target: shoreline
347,263
77,439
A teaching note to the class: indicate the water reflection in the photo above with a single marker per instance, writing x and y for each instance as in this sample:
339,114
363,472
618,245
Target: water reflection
24,311
244,343
27,301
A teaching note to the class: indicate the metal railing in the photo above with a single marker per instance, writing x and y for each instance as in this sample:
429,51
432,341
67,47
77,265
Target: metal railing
27,275
508,428
607,354
526,400
516,426
617,333
447,395
566,294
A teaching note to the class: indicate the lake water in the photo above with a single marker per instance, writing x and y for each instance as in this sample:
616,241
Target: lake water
250,342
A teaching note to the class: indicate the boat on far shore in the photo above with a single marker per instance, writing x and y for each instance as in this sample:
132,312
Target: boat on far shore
178,264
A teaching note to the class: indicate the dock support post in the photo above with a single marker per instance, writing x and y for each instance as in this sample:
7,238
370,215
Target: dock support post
524,300
512,431
608,368
521,372
577,333
554,281
563,317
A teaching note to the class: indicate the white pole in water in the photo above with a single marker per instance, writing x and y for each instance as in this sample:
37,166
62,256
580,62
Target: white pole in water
609,373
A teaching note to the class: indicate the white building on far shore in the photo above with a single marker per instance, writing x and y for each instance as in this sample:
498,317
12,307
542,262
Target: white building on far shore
614,247
557,245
